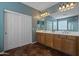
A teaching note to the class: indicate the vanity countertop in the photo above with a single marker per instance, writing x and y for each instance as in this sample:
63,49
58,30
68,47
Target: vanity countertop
59,32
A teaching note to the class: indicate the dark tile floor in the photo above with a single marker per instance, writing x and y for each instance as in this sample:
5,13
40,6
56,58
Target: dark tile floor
35,49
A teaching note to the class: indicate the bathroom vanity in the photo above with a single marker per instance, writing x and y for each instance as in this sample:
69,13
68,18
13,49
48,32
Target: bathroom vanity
64,42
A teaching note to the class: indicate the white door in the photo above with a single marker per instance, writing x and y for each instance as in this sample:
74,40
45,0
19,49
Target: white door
18,30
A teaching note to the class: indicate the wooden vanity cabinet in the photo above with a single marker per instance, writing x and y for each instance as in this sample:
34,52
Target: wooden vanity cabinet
49,40
69,45
64,43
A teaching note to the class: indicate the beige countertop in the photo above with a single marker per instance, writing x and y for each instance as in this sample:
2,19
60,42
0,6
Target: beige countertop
60,32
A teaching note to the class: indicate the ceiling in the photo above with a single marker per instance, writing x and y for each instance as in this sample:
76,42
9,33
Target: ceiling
40,5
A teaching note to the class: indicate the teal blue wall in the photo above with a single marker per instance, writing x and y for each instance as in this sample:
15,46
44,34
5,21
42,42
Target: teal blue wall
14,6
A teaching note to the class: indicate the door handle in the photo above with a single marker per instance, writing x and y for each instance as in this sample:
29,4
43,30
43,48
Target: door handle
5,33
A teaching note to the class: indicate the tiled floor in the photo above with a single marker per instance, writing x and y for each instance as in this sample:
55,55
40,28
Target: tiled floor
35,49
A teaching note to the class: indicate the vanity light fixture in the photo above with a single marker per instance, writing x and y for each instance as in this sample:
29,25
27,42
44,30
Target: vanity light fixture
66,6
44,13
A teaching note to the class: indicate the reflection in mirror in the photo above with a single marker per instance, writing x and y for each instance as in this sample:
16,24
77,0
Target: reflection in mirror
49,26
62,25
73,24
54,25
40,25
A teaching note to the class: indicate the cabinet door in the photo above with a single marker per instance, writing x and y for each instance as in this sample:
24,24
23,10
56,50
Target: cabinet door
38,35
78,46
57,42
42,38
69,45
49,40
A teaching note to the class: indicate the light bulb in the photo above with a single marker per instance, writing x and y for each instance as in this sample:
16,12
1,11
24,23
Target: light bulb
67,5
68,8
41,15
63,7
72,4
44,14
72,7
60,8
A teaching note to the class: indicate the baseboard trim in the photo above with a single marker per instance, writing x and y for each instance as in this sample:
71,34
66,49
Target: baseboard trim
33,42
3,53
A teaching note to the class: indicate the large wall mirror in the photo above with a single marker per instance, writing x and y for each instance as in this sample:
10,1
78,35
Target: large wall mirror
63,24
